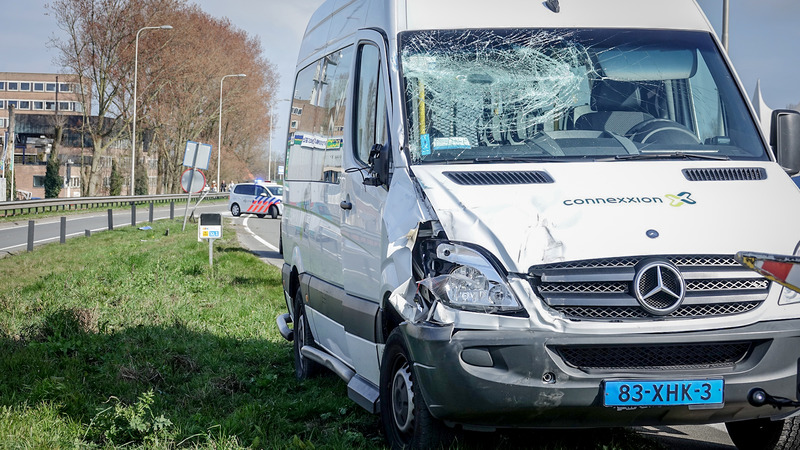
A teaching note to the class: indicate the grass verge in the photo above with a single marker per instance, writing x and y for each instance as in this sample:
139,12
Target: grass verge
129,338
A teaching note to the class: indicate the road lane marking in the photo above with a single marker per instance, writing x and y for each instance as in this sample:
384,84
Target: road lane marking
265,243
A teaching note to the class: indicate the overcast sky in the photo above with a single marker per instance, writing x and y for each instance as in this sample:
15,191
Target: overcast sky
764,40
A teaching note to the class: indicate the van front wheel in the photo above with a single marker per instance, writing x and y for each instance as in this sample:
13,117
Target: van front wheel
765,434
406,419
235,210
304,368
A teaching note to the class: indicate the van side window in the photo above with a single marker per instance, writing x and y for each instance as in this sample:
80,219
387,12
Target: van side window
370,113
320,93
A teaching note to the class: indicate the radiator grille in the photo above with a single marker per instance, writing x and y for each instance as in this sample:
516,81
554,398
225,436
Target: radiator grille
602,289
655,357
625,312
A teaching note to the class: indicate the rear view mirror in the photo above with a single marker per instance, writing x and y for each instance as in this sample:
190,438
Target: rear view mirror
785,139
379,166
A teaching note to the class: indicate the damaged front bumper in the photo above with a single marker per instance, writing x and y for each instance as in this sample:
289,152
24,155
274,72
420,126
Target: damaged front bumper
486,379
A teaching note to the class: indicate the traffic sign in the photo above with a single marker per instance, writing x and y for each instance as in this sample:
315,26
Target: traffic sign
198,180
210,226
203,156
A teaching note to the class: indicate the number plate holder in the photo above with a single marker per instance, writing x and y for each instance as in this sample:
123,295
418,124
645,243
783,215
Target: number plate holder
663,392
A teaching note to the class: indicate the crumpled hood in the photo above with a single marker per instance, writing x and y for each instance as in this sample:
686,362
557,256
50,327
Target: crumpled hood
609,209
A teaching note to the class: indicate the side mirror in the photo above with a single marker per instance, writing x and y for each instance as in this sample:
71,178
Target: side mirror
378,161
785,139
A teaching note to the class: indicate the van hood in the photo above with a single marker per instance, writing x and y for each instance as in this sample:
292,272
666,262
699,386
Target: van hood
613,209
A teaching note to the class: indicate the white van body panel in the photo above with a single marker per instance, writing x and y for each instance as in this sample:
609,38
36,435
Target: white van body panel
527,225
650,14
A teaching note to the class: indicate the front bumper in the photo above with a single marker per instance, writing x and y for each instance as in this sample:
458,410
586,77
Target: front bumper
499,379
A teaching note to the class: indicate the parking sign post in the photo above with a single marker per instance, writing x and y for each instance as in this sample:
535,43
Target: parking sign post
210,227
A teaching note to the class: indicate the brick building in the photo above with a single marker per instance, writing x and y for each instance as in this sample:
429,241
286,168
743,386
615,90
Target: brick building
37,100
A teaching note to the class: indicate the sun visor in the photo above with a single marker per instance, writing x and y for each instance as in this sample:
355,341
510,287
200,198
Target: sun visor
647,64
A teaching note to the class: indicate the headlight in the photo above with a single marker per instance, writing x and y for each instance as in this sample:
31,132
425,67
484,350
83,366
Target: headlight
470,282
789,296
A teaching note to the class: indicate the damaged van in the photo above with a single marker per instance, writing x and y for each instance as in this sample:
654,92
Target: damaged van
524,214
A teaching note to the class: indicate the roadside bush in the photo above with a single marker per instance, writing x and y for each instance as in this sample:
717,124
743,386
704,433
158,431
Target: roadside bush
134,424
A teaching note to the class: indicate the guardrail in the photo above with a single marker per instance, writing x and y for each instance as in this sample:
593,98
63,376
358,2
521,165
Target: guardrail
76,203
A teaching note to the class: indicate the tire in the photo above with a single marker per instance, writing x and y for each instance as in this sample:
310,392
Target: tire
273,211
406,419
304,368
765,434
280,239
235,210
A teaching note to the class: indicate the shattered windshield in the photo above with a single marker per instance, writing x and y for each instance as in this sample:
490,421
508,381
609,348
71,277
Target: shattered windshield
542,95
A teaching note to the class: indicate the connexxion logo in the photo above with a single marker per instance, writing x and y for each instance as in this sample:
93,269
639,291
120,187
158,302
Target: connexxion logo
683,198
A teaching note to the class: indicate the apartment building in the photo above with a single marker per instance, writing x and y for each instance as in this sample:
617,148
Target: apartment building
37,99
39,93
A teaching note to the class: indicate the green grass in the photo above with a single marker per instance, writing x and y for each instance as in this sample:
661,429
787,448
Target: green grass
129,338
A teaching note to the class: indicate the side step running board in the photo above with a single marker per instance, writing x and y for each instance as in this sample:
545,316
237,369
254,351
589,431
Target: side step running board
283,326
359,389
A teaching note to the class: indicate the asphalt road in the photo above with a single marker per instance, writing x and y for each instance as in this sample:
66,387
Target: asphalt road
260,236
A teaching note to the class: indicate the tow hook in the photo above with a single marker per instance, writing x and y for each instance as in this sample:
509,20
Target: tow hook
759,397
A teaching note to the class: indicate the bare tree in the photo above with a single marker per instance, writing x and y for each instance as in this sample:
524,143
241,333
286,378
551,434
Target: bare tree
185,104
98,48
178,82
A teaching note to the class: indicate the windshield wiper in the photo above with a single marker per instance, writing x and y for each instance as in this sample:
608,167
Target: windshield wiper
669,155
514,159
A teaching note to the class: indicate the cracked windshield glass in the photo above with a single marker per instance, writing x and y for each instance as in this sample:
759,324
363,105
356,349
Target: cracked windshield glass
571,95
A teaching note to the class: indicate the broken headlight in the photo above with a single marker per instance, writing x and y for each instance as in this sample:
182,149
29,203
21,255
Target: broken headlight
790,296
467,280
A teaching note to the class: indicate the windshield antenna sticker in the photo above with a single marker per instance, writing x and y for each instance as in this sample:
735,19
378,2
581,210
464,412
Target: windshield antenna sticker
425,144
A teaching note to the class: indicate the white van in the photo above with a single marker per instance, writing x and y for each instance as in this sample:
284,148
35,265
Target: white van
257,198
525,214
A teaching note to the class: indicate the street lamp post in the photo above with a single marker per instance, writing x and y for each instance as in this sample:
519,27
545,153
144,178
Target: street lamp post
135,76
219,134
269,159
725,13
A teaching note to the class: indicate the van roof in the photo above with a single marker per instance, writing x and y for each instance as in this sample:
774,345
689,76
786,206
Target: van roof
336,20
659,14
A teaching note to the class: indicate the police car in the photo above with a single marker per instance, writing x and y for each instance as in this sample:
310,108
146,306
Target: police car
257,198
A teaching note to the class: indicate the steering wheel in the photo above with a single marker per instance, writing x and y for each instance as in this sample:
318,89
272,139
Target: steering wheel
662,131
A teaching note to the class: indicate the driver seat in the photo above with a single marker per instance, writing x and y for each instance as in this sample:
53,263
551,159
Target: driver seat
617,107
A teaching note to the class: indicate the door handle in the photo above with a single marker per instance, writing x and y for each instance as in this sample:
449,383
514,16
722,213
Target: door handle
345,205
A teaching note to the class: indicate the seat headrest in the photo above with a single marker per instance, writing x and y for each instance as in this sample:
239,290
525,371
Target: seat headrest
610,95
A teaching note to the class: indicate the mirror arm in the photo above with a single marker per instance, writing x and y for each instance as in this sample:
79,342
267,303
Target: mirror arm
378,166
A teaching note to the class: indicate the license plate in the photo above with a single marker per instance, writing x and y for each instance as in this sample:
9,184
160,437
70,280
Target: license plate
663,393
